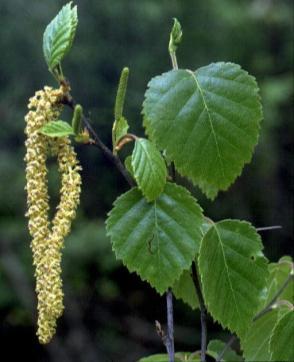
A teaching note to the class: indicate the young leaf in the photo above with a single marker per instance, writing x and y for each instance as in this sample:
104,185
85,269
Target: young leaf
57,129
184,289
175,37
255,344
149,168
281,340
207,121
120,129
215,347
59,34
233,273
157,240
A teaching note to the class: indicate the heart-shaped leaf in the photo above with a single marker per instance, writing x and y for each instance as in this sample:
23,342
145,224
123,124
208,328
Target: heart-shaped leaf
157,240
59,34
233,273
207,121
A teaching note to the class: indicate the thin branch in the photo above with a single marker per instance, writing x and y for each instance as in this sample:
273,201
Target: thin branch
170,345
269,228
170,326
202,311
270,305
267,309
228,344
174,60
115,160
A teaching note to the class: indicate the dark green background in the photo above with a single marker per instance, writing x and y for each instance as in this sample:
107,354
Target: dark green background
109,313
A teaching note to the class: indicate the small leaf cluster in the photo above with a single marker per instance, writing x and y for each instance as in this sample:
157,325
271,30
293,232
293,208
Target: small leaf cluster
61,128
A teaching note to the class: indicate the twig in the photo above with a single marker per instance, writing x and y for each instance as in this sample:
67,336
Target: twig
202,311
267,309
269,228
270,305
228,344
70,102
170,326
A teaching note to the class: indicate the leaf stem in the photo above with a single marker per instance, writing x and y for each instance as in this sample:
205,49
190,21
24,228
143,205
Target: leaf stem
196,282
170,326
128,137
174,60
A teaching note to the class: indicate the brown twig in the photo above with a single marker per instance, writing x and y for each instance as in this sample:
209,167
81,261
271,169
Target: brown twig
114,159
170,347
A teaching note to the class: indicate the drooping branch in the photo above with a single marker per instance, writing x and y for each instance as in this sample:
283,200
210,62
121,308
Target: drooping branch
202,311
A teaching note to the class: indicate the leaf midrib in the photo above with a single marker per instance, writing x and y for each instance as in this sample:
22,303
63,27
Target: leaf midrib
227,270
209,118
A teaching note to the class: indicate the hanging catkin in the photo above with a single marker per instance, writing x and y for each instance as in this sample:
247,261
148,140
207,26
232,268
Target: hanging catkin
48,237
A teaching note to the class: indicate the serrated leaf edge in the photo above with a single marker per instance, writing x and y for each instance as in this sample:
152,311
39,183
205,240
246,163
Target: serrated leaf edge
228,327
199,182
108,223
74,23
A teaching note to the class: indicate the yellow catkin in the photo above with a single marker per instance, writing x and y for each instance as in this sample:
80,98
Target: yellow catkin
47,239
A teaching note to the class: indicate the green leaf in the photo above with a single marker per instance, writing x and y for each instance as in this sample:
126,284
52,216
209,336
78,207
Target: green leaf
256,342
184,289
207,121
279,273
179,357
149,168
175,37
59,34
157,240
128,165
57,129
120,129
281,340
215,347
233,273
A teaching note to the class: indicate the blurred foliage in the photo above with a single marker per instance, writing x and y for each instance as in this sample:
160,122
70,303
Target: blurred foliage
109,313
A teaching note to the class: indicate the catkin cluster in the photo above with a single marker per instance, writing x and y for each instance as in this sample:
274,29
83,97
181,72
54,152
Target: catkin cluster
48,236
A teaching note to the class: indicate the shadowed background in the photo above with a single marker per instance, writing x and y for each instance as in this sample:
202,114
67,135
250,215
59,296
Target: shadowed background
110,313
